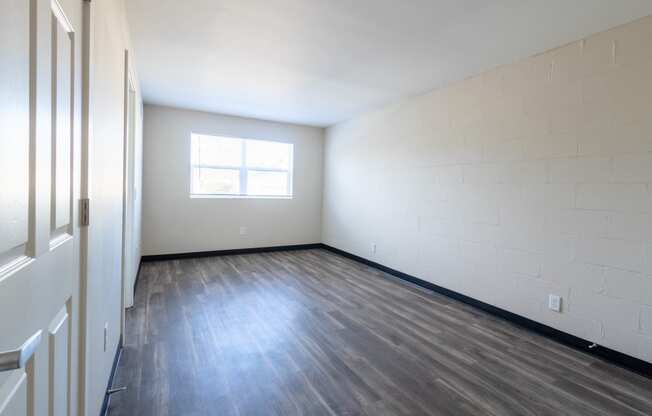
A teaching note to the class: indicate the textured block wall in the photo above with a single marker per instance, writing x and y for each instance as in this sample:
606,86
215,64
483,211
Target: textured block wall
531,179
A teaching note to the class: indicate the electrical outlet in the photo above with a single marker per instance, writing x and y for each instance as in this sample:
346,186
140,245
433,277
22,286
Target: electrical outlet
106,335
554,303
243,230
373,248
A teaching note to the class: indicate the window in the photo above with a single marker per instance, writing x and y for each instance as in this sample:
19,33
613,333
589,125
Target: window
231,167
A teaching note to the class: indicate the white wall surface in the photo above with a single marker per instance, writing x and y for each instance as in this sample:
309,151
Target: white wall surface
175,223
110,39
528,180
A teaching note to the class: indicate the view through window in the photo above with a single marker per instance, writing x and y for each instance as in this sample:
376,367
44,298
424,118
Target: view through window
232,167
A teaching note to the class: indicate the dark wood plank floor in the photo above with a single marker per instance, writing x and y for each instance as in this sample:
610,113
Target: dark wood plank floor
312,333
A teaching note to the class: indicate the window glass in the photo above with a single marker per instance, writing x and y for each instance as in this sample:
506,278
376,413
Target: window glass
267,183
208,181
271,155
219,151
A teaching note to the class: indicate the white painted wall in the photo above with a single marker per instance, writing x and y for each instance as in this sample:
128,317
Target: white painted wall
532,179
175,223
110,39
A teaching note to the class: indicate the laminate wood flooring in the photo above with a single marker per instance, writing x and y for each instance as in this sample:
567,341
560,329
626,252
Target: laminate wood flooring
312,333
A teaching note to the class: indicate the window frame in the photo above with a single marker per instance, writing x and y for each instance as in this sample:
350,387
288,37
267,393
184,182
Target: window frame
243,169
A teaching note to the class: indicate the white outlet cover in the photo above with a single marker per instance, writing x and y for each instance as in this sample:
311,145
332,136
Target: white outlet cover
554,303
243,230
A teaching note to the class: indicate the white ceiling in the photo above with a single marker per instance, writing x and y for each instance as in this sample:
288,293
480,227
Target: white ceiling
320,62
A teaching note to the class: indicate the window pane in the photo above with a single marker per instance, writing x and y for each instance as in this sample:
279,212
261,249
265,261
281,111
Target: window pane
269,155
267,183
217,151
215,181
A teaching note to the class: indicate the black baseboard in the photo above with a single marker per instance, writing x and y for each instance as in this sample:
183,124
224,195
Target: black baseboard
176,256
114,369
623,360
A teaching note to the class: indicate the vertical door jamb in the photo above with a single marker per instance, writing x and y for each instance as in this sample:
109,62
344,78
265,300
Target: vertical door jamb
85,193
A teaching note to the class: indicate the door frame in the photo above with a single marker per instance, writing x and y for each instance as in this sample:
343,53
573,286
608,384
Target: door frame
128,206
84,193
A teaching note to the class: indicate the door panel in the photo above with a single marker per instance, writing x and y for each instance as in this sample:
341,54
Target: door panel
13,396
14,119
39,178
59,351
62,76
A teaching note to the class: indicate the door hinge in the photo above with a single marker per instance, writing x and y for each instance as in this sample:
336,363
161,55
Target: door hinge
84,212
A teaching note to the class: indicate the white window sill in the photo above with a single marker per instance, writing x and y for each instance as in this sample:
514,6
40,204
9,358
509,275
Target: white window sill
217,196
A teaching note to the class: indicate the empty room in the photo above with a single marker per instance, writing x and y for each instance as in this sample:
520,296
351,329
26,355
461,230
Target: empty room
309,207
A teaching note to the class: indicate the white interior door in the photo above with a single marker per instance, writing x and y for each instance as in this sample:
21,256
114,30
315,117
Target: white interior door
39,188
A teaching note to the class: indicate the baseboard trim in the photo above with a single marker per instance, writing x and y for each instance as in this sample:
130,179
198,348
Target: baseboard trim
230,252
114,369
615,357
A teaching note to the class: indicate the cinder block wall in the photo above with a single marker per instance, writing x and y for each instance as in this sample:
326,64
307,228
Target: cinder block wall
531,179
